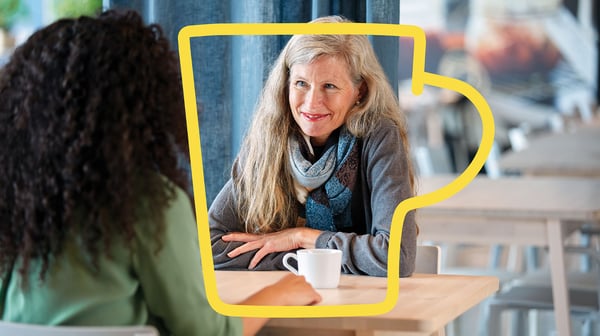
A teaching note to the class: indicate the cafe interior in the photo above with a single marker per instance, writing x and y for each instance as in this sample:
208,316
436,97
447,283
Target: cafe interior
527,216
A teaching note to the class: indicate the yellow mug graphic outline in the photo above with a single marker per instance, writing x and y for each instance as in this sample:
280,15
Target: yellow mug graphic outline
419,79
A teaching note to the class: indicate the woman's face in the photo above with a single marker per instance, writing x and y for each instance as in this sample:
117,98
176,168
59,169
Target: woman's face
321,94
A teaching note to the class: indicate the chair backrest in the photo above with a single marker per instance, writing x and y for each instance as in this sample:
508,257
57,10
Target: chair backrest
427,260
23,329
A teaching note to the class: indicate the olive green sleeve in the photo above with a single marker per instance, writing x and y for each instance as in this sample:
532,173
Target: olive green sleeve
171,279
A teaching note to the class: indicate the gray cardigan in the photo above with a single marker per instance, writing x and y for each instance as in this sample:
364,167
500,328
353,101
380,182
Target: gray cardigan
383,185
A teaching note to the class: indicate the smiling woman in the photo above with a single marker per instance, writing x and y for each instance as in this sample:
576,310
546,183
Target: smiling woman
324,164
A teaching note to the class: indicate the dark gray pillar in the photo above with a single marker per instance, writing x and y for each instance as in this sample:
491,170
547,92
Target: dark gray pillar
386,47
320,8
294,11
353,10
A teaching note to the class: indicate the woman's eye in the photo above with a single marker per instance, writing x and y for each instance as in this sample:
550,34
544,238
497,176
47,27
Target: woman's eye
300,83
330,86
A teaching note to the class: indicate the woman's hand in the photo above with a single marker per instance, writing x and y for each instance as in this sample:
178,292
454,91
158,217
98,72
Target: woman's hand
284,240
291,290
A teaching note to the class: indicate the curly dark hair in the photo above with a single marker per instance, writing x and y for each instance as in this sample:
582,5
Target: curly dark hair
91,122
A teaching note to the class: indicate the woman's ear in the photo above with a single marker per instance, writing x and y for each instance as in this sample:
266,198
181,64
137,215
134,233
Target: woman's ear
363,90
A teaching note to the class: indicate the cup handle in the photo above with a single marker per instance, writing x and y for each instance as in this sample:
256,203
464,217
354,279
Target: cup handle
288,266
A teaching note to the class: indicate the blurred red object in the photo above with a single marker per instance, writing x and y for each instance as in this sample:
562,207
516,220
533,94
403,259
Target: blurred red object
505,48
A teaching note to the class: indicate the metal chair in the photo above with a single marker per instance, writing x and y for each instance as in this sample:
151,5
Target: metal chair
24,329
533,292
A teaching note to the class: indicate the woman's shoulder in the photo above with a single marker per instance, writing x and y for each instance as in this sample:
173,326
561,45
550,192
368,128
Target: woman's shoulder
176,210
180,204
382,129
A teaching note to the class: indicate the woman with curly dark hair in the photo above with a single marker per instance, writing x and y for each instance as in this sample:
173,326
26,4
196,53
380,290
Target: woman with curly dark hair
96,226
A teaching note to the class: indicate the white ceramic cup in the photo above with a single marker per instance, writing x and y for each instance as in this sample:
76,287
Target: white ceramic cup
320,267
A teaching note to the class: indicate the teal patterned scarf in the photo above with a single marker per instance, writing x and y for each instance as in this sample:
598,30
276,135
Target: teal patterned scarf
329,179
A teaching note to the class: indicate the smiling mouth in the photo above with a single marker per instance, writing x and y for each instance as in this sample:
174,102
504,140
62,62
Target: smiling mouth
314,117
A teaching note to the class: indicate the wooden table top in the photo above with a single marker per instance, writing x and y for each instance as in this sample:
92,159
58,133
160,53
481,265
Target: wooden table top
426,302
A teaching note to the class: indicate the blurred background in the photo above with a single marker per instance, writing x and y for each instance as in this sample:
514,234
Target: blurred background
535,62
19,18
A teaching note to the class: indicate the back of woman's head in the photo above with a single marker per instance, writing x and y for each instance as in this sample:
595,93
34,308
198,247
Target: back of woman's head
91,114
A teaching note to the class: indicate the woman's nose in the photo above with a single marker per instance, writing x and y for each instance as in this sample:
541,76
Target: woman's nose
313,98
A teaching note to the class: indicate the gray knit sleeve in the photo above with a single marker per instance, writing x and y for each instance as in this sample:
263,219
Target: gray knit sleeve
385,183
223,219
